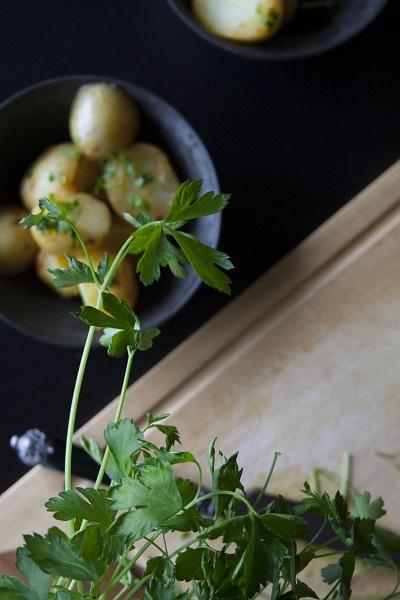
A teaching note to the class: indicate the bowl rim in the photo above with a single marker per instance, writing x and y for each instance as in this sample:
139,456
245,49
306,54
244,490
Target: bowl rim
257,52
217,218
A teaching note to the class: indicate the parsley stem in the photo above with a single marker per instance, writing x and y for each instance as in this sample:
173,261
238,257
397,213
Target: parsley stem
82,367
316,536
330,593
221,493
346,475
116,579
73,410
266,484
86,253
122,252
121,402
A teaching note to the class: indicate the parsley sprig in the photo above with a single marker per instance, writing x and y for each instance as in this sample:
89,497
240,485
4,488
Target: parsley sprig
164,244
232,548
230,553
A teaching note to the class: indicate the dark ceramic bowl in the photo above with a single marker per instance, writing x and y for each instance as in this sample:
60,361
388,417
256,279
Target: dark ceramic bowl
310,32
38,117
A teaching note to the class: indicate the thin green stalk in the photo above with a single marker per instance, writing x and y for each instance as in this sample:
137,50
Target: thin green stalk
221,493
82,368
86,253
74,407
116,579
346,475
121,402
137,587
330,593
266,484
316,536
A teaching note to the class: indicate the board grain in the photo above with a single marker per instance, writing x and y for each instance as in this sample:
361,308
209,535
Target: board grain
306,362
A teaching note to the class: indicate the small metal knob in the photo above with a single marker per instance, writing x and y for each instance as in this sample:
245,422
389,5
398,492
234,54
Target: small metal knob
32,447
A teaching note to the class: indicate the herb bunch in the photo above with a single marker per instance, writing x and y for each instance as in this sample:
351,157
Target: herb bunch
230,547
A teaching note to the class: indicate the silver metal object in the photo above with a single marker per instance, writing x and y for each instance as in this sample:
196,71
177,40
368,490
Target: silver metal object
32,447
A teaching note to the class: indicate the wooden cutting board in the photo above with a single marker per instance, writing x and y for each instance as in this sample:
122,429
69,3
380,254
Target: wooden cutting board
306,362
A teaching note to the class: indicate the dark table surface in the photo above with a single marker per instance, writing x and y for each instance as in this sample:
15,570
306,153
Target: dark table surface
292,141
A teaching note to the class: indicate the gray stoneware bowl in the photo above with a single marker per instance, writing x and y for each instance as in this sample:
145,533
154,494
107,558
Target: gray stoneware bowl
38,117
310,32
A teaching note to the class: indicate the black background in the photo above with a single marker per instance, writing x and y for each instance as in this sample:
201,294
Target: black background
292,141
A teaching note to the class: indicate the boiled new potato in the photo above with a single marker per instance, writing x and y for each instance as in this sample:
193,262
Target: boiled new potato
103,119
140,179
91,217
124,286
46,261
240,20
17,248
60,169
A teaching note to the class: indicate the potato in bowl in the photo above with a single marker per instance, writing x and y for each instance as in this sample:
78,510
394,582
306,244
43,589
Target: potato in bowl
37,119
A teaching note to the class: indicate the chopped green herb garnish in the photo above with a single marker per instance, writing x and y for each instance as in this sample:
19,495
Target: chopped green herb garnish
129,166
144,179
70,151
57,176
138,203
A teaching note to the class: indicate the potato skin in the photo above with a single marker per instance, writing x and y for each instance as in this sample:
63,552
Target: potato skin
240,20
140,179
93,222
46,261
58,170
103,119
17,248
125,285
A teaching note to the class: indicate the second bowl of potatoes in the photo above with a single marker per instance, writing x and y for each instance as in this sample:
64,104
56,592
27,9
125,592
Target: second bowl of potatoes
99,147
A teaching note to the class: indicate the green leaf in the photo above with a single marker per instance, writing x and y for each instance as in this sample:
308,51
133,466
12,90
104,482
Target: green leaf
91,446
342,571
83,503
188,204
94,317
146,337
189,564
160,590
70,151
260,559
122,313
205,261
171,433
91,544
285,526
362,535
76,272
103,266
32,220
117,341
365,509
226,478
53,210
39,582
154,495
12,588
146,241
124,440
54,555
